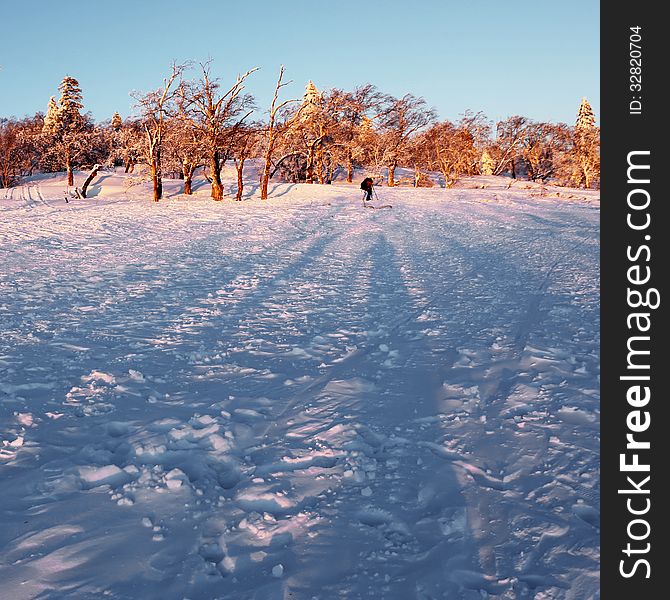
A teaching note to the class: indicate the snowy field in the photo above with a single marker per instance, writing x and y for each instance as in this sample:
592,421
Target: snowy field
299,398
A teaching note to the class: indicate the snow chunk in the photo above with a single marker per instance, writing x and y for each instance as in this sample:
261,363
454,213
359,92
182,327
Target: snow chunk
92,477
136,375
25,419
271,503
99,376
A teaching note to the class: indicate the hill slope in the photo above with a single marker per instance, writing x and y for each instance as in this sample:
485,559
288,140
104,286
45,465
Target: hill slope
299,398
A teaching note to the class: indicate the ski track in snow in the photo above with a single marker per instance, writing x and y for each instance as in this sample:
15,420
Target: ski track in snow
299,398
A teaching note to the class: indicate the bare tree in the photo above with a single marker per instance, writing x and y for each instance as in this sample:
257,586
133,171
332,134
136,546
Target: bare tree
155,108
450,149
128,144
91,176
190,153
10,152
244,146
215,117
273,132
509,139
357,109
30,144
541,149
403,118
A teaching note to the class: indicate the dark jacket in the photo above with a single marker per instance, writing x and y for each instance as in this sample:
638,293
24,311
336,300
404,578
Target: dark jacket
366,184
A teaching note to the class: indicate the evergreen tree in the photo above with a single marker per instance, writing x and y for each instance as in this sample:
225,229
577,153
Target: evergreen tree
117,122
585,118
52,118
311,102
309,129
65,126
586,147
70,97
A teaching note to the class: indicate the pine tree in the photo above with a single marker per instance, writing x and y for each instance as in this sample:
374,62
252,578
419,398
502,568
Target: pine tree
311,103
310,111
586,146
585,119
51,119
70,102
65,125
312,95
117,122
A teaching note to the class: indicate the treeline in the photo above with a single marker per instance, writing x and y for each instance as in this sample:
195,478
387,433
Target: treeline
202,123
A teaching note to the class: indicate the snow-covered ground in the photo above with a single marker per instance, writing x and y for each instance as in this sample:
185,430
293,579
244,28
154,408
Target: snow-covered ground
299,398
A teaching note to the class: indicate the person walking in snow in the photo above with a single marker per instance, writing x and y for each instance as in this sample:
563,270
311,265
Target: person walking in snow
366,186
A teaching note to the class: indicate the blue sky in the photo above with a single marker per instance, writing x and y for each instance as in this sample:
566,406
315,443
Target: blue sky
524,57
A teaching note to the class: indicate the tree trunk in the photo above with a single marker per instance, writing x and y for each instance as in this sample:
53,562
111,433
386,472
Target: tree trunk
187,170
240,181
530,171
584,168
156,176
329,171
215,168
391,175
350,168
68,167
319,165
90,178
309,177
266,173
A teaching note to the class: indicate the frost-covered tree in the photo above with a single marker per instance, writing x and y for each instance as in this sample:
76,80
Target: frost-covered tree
543,148
128,144
358,109
184,152
215,115
585,118
65,127
449,149
13,151
70,98
155,108
21,148
275,129
586,147
117,122
488,165
245,144
52,117
310,127
314,134
402,118
507,146
311,102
